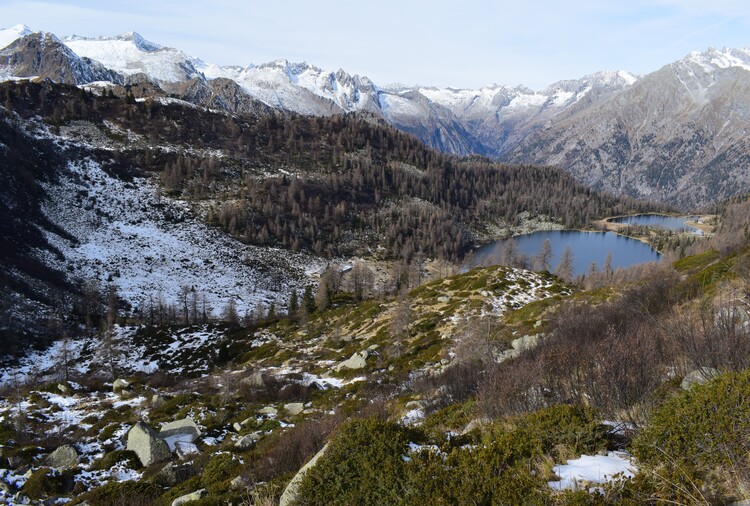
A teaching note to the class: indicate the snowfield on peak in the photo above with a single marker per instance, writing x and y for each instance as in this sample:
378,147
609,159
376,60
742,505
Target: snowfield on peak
131,54
300,87
9,35
714,59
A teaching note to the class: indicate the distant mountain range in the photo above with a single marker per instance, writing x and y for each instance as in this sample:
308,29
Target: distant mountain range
676,135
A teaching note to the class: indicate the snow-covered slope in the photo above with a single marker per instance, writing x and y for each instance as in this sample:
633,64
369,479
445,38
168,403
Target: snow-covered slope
122,231
130,54
153,248
43,55
514,124
300,87
9,35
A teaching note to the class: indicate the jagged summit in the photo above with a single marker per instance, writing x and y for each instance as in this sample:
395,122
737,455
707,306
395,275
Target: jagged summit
713,58
511,123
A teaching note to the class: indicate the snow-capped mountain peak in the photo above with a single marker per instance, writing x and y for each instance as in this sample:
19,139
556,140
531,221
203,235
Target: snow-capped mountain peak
9,35
713,59
129,53
139,41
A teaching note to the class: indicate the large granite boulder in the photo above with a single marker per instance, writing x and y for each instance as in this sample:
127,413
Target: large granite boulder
64,457
294,408
147,444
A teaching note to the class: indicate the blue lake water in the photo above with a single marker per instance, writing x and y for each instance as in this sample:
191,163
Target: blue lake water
673,223
587,247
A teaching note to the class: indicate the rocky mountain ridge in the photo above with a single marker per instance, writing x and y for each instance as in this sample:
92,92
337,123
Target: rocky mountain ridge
633,135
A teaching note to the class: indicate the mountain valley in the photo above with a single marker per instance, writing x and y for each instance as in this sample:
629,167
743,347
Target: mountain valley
251,285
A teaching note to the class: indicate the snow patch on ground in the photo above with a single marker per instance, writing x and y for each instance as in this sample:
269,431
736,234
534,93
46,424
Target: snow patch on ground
413,417
592,469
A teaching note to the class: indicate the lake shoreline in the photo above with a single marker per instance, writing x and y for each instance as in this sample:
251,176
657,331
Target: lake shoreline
588,247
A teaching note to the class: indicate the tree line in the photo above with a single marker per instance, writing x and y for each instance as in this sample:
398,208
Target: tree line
340,185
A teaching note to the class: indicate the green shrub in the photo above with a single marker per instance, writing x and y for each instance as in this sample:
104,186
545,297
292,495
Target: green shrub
45,482
363,465
575,428
696,445
115,457
369,462
126,492
698,261
220,468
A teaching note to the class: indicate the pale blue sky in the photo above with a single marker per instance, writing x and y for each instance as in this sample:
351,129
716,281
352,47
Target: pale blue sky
466,43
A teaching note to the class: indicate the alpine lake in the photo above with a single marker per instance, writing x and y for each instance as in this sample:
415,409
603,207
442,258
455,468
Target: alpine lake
587,247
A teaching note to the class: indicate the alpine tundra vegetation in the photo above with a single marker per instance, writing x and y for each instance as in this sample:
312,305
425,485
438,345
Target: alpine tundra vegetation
258,285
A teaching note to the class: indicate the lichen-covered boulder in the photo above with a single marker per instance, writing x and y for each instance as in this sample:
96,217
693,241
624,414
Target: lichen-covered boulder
119,385
248,441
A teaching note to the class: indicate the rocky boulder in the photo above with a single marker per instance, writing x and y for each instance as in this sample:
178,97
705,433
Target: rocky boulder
698,376
290,492
356,361
518,346
294,408
64,457
239,482
238,426
185,450
255,380
248,441
193,496
119,385
172,474
157,401
147,444
185,430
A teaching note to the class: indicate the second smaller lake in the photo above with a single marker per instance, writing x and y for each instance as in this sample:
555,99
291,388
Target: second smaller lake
673,223
587,247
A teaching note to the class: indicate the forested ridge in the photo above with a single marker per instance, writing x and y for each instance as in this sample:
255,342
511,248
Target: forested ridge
335,186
